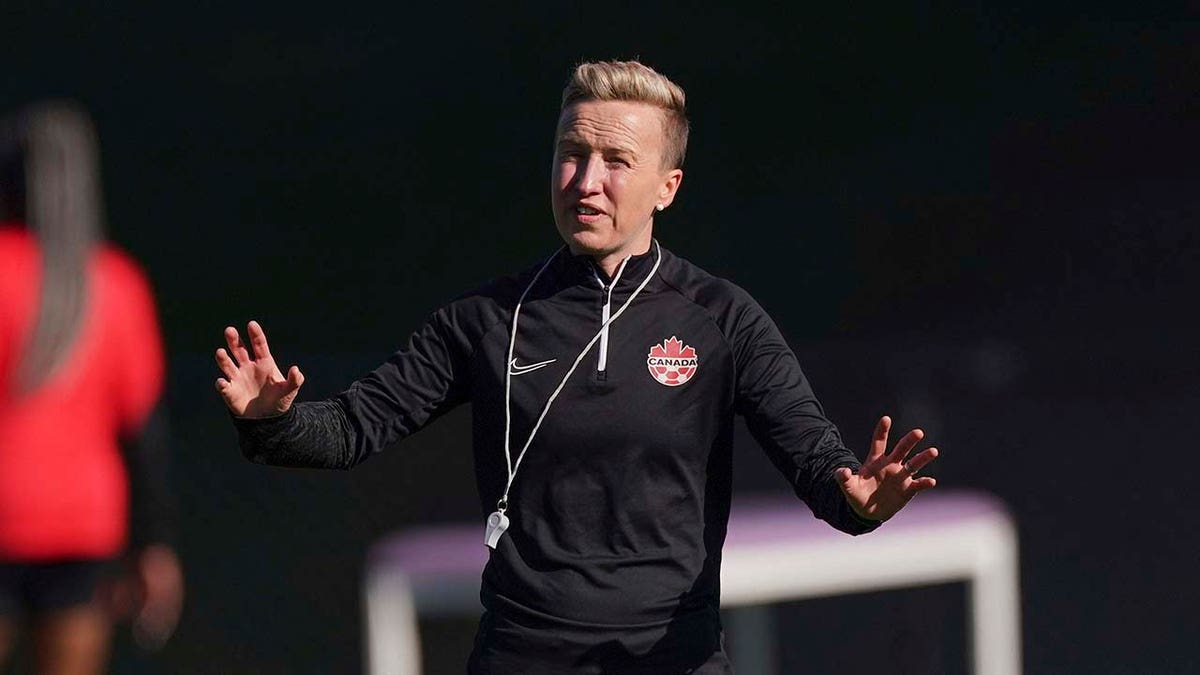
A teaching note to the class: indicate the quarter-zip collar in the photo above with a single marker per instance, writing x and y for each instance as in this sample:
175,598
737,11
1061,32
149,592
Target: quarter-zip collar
577,278
583,270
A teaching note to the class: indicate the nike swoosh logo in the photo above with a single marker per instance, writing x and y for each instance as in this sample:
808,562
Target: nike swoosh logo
514,369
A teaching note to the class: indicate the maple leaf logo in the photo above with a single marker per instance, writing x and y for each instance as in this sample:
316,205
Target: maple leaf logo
672,362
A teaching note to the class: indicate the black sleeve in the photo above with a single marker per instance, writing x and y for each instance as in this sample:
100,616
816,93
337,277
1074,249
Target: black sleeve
152,508
412,388
313,435
786,419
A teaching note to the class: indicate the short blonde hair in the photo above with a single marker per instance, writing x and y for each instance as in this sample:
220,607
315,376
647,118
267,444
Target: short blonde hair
634,81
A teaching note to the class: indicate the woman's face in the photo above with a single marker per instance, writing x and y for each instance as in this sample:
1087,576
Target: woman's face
608,178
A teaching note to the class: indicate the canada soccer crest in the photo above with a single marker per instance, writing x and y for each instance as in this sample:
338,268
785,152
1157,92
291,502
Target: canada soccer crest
672,363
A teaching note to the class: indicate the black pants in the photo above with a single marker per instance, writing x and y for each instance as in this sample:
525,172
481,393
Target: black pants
690,644
35,588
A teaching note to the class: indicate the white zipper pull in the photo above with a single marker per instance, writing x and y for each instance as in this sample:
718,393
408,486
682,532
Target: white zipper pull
605,312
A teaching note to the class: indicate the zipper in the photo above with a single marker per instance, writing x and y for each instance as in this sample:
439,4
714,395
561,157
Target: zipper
605,313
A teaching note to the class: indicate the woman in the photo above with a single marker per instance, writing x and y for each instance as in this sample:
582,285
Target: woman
81,438
609,517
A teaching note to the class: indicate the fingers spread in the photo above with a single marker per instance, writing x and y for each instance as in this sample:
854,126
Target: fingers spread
922,458
236,348
879,439
258,340
905,445
226,364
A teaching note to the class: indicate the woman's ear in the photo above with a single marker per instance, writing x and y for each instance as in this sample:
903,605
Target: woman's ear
670,187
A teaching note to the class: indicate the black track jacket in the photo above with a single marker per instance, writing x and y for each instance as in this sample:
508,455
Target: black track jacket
618,510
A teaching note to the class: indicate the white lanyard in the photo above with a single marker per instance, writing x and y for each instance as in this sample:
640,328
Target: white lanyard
498,522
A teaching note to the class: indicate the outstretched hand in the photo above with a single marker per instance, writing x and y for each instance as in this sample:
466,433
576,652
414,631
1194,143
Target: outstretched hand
254,387
886,482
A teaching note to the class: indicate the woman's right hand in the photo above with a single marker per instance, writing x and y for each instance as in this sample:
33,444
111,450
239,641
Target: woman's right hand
254,387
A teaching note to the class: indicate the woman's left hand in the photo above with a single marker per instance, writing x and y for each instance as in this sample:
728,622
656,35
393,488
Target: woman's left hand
886,482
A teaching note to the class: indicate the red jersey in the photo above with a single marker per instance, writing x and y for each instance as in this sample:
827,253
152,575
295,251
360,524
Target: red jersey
63,481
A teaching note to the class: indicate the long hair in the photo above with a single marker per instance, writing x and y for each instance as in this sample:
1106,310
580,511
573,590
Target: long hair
50,170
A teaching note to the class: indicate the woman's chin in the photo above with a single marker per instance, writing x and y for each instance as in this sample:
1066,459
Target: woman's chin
587,243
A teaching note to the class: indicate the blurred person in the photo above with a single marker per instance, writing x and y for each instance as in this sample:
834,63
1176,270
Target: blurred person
604,381
85,524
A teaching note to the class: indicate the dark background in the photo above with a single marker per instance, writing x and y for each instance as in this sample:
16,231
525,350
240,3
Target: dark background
980,220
